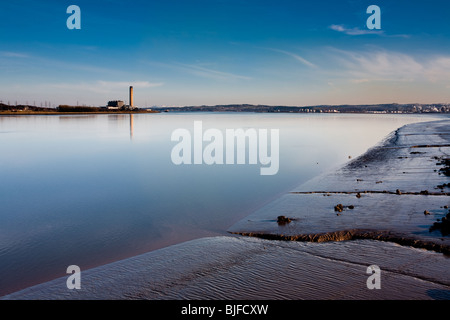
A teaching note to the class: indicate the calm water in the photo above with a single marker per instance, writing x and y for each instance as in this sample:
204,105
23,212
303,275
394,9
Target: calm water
88,190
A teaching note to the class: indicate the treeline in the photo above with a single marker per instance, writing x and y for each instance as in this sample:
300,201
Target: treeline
21,107
66,108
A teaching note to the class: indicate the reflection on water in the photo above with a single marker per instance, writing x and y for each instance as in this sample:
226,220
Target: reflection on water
131,126
89,190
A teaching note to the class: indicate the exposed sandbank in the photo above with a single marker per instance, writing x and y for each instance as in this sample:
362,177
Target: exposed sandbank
230,268
395,193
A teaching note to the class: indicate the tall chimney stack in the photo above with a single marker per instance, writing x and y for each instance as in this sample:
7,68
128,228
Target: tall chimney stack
131,96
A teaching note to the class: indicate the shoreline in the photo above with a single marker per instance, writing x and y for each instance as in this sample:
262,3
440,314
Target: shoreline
37,113
390,182
325,266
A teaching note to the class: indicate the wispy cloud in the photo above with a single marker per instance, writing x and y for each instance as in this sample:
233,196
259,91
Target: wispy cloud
354,31
385,65
438,69
104,87
209,73
391,66
202,70
360,32
295,56
9,54
124,84
28,61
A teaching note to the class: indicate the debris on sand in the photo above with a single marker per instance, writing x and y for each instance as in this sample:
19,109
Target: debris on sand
446,169
340,207
281,220
442,186
443,225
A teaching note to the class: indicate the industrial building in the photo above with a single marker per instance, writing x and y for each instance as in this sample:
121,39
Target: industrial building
120,105
115,105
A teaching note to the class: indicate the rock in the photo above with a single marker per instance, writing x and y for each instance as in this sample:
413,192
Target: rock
351,207
443,226
283,220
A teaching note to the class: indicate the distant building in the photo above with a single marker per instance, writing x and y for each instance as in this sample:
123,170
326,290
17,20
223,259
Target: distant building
120,105
115,105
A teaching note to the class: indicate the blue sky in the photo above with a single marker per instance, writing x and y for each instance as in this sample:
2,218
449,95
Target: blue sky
195,52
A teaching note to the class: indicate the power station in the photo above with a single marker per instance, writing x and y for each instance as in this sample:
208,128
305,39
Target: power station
120,105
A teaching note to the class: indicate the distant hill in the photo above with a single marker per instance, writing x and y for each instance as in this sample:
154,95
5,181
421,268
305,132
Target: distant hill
379,108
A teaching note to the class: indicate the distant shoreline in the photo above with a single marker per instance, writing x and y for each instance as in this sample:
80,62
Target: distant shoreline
393,108
50,113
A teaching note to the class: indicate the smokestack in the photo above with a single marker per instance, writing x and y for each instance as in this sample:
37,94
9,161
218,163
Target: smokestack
131,96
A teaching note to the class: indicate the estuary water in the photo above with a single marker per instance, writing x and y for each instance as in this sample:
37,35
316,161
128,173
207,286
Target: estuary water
87,190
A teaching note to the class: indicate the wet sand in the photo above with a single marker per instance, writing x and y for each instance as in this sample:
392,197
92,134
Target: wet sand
390,188
231,268
394,192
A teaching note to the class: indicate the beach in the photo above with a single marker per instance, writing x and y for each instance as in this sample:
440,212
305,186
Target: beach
385,208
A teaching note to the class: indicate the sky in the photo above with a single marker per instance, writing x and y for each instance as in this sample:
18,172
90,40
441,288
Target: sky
210,52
